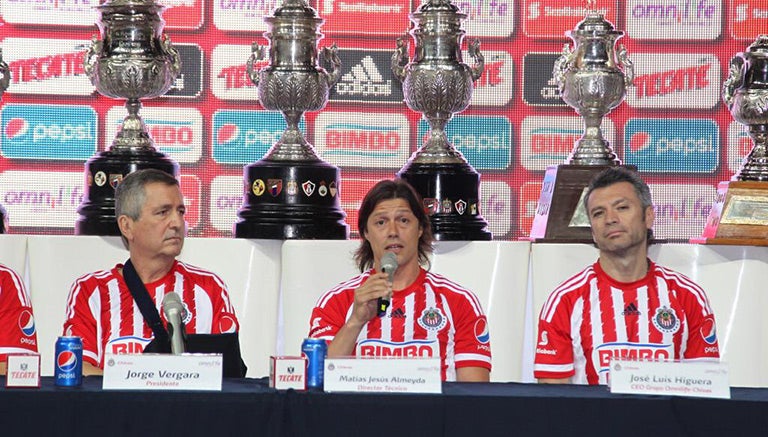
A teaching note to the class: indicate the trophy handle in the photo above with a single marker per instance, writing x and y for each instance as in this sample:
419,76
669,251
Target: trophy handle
474,52
400,59
331,56
734,80
92,57
562,64
257,54
5,74
172,53
629,67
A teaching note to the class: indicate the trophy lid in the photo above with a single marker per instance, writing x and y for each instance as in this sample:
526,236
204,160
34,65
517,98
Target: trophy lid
439,6
595,24
296,9
759,47
128,6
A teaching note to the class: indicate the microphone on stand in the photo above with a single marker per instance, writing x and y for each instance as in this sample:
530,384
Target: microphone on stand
388,266
174,313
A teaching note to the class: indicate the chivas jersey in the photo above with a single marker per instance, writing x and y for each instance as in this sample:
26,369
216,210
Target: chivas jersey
433,317
18,334
591,318
101,310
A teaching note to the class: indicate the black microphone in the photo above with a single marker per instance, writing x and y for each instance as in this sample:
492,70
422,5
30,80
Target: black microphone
175,314
388,266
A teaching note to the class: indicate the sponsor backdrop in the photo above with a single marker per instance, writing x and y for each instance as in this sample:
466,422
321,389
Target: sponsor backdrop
673,125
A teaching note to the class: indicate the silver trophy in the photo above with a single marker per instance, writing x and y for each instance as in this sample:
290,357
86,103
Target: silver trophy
132,60
437,83
5,80
291,193
745,92
592,82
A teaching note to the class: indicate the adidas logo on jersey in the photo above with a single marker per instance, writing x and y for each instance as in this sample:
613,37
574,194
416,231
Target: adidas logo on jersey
631,310
397,314
364,79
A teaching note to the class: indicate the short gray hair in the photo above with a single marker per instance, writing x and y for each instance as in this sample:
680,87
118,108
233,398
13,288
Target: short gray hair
130,194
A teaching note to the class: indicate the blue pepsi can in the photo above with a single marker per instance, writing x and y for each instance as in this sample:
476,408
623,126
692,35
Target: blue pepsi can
68,369
314,349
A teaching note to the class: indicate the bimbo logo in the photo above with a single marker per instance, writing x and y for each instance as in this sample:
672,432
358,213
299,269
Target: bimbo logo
127,345
675,80
484,141
48,132
674,19
27,323
409,349
550,140
488,17
604,353
672,145
66,361
47,66
242,15
229,74
241,137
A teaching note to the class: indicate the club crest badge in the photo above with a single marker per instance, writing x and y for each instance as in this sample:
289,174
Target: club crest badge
432,319
292,188
665,320
275,186
258,187
308,187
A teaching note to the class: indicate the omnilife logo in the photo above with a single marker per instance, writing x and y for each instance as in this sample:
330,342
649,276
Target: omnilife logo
41,199
674,19
488,17
681,209
226,199
242,15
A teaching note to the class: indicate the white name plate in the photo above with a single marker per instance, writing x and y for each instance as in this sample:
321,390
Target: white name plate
390,375
23,370
163,372
684,378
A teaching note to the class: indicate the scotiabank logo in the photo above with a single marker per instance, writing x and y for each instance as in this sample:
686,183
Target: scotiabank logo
373,139
739,145
47,66
229,77
675,80
226,199
674,19
183,14
242,137
408,349
41,199
681,209
364,17
603,354
495,86
539,87
59,13
552,18
673,145
48,132
496,206
550,140
494,18
175,131
748,18
239,15
366,77
484,141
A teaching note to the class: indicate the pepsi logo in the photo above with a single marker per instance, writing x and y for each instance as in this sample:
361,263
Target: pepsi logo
708,331
66,361
481,331
227,133
227,324
639,141
27,323
16,127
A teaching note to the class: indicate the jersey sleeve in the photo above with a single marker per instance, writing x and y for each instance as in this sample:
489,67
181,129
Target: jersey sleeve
702,340
18,334
554,345
81,322
473,340
330,314
224,318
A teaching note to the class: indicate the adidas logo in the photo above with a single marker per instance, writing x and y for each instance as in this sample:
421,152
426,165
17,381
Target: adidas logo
397,314
364,79
631,310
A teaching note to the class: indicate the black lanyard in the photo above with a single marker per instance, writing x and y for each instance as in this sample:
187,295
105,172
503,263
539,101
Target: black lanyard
143,301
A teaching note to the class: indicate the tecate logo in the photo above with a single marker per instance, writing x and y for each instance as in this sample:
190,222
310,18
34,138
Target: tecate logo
488,17
229,77
48,132
242,15
47,66
364,17
379,140
552,18
484,141
176,131
681,209
674,19
550,140
243,137
226,199
495,86
41,199
675,80
366,76
672,145
59,13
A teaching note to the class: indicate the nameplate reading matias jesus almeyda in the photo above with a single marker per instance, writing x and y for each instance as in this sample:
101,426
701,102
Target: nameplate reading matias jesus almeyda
672,378
163,372
389,375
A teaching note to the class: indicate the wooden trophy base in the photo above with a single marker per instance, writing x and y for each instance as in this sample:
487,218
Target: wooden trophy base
739,215
560,216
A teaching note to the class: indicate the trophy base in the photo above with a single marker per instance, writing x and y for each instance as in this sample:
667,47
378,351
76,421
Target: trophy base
451,196
560,216
103,174
287,200
739,215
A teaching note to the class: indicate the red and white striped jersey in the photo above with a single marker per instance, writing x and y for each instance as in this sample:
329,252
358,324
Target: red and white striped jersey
101,310
591,318
432,317
18,334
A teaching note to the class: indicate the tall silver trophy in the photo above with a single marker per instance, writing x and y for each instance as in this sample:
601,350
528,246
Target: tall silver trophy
592,76
739,214
132,60
5,80
291,193
438,84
